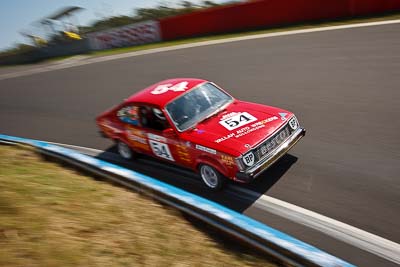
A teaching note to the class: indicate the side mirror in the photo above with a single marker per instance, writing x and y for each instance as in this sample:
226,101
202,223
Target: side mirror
169,132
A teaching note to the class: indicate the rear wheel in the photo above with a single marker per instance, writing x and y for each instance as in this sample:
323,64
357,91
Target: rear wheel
124,150
211,177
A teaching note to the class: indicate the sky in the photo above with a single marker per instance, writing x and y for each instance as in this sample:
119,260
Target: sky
20,15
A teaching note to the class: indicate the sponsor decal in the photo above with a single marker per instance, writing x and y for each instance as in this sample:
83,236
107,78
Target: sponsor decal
183,153
163,88
200,131
272,143
226,116
248,159
137,138
133,34
237,120
157,137
283,116
206,149
136,131
139,142
227,160
107,125
159,147
247,129
226,137
161,150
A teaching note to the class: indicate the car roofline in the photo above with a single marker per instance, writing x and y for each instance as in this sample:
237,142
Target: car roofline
194,87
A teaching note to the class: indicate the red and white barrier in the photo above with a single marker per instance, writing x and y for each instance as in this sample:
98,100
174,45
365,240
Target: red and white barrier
133,34
267,13
237,17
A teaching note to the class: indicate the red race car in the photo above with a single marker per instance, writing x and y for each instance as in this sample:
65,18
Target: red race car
196,124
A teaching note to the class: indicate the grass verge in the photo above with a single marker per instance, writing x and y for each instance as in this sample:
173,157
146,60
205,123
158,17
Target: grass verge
54,216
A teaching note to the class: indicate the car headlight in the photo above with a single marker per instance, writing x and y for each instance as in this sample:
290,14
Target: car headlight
293,123
239,163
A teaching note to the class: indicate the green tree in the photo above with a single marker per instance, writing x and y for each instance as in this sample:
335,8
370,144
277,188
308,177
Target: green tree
209,4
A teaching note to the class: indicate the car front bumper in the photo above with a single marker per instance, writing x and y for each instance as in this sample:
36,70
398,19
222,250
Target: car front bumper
259,167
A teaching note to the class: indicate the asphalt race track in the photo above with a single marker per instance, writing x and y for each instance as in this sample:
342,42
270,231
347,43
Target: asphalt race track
343,86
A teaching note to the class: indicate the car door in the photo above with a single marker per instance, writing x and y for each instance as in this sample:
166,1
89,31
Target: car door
164,142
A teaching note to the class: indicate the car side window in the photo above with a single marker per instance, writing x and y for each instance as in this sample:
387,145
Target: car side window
129,114
152,118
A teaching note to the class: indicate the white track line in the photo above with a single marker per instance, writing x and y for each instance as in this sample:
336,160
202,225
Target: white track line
374,244
85,150
93,60
377,245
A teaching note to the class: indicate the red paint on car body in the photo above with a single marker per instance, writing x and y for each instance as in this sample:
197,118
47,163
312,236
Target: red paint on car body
149,122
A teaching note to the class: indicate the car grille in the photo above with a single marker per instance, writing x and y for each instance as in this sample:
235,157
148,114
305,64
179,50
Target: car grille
273,142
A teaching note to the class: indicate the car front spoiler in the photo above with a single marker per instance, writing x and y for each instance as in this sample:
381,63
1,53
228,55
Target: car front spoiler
257,169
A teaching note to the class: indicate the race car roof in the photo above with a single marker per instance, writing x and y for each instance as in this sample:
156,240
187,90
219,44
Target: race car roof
163,92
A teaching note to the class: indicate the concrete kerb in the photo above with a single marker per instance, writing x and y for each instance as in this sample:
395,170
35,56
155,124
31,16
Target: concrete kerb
271,241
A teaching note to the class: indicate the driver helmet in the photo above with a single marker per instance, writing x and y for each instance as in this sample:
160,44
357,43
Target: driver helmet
158,113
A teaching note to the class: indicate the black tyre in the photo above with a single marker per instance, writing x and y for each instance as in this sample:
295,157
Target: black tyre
124,150
211,177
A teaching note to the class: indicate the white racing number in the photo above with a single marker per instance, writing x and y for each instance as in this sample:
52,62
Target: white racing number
237,121
163,88
161,150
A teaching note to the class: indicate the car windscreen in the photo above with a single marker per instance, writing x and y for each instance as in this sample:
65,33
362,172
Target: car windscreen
196,105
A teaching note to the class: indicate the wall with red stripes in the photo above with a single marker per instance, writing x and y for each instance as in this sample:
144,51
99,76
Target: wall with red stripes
263,13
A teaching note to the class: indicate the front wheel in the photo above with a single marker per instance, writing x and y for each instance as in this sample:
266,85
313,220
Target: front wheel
124,150
211,177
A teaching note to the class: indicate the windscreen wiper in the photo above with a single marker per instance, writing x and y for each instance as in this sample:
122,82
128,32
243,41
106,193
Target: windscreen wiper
216,112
